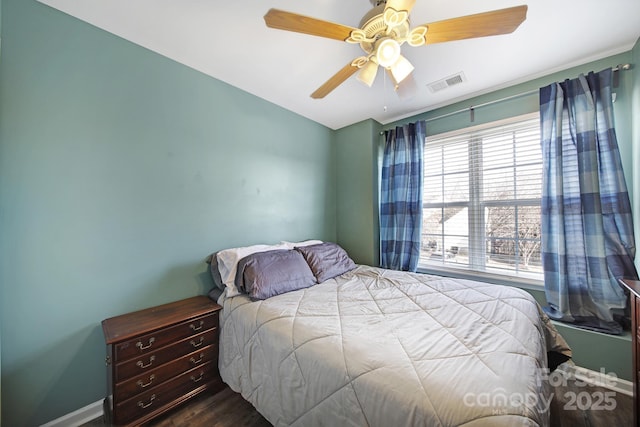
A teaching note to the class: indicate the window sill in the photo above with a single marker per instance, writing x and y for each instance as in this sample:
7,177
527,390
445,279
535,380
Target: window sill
499,279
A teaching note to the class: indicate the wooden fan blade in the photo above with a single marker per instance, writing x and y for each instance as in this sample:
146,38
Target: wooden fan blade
335,81
288,21
502,21
400,5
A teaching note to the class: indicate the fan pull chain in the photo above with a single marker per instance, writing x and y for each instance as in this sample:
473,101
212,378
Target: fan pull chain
384,92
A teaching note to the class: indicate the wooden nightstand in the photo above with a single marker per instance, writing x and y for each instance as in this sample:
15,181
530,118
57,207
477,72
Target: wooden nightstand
634,292
159,357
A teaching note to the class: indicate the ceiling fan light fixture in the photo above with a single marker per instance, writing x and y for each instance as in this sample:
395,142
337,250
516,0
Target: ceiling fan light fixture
367,73
385,28
407,89
401,69
387,52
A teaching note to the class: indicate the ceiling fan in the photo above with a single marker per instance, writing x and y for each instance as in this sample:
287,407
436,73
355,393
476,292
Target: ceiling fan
385,28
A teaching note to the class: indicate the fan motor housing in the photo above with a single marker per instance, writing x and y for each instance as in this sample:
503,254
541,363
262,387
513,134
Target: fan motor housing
374,27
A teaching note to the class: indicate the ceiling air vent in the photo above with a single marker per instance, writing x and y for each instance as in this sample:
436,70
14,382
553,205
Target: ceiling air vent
447,82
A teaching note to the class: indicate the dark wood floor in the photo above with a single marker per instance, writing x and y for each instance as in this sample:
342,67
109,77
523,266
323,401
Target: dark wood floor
606,408
229,409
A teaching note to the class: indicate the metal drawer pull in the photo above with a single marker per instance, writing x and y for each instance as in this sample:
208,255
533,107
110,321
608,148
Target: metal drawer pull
141,364
143,385
197,344
195,361
144,347
197,379
197,328
143,406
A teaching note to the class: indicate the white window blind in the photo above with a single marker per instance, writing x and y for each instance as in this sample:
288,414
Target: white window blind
482,190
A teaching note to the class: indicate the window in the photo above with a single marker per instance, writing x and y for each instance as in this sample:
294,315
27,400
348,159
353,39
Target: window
482,190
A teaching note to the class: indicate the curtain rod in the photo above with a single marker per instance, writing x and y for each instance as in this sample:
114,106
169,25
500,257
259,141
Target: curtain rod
507,98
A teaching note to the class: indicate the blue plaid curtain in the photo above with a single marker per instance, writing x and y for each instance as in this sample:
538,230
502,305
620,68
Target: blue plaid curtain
587,226
401,197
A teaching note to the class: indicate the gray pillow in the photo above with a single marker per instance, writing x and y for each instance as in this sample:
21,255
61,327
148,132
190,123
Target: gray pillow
265,274
215,293
327,260
212,260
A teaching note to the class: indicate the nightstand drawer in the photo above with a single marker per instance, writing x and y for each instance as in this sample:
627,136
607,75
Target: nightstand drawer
148,343
150,361
154,377
157,397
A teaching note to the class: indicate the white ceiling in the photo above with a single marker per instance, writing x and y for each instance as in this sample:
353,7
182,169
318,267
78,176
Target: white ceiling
230,41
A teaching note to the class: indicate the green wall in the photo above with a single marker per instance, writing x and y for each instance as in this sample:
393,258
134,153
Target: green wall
120,171
357,198
591,349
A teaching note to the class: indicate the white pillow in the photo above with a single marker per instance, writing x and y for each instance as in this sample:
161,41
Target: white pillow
228,263
291,245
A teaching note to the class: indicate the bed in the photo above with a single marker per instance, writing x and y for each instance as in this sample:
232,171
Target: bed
376,347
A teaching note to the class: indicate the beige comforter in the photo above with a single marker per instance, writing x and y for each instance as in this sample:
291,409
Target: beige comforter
377,347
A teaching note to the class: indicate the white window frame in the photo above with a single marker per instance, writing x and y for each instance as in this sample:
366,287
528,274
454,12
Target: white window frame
477,267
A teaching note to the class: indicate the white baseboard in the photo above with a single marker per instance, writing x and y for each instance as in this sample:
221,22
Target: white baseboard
600,379
79,417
